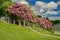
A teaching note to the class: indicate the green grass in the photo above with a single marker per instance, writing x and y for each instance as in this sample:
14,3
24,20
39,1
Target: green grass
54,34
14,32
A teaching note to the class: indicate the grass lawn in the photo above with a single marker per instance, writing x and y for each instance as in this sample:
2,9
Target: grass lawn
14,32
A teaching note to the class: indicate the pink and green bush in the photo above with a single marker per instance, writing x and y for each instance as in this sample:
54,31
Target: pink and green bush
24,12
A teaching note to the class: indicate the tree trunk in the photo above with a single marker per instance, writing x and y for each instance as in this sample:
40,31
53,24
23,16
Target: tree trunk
19,22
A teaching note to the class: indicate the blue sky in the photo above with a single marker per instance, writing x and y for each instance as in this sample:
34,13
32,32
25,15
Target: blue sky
45,8
32,2
57,10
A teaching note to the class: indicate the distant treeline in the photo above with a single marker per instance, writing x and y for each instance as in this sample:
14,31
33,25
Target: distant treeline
55,22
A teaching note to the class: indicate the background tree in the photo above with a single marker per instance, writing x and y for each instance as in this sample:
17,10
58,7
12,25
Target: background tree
2,1
47,18
39,16
4,5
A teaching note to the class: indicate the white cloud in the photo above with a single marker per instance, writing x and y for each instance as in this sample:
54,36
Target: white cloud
43,8
20,1
37,10
58,2
23,2
17,0
54,18
40,4
51,12
49,6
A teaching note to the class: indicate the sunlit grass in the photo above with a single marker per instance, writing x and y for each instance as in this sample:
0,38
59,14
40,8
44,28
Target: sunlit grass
14,32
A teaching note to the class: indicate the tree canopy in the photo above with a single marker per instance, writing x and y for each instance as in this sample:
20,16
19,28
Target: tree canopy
4,4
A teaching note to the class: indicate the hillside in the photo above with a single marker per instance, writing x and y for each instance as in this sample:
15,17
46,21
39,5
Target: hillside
14,32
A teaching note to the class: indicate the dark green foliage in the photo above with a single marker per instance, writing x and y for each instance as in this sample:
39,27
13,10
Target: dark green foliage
4,4
2,1
47,18
55,22
39,16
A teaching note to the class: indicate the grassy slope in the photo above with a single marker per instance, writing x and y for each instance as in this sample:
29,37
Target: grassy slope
14,32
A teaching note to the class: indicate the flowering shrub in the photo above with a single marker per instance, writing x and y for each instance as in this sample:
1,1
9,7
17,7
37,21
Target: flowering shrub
24,12
46,24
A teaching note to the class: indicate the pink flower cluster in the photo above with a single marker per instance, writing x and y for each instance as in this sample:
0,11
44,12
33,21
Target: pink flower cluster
23,11
46,24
